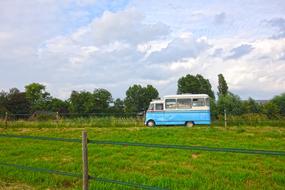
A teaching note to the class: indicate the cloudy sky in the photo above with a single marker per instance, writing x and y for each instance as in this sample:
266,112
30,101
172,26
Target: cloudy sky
87,44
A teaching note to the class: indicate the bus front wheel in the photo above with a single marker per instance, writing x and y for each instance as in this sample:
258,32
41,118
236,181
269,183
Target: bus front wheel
150,123
189,124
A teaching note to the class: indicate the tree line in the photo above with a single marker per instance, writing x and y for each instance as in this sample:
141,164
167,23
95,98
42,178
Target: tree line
36,98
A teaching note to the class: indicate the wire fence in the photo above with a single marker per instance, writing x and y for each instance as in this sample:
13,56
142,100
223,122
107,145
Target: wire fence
136,144
129,119
56,115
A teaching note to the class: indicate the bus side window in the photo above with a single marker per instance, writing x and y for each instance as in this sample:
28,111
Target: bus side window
151,107
159,107
184,103
170,104
198,102
207,101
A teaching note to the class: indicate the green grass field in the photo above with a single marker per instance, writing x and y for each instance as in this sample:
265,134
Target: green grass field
165,168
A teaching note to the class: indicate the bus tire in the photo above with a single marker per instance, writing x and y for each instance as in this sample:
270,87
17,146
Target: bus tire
189,124
150,123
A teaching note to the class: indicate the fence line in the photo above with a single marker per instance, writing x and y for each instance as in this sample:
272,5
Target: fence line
72,114
41,170
69,174
85,141
41,138
183,147
57,116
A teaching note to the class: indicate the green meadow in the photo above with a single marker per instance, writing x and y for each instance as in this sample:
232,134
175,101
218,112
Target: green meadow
164,168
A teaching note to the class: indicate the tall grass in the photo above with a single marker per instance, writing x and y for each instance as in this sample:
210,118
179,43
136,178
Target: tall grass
51,121
79,122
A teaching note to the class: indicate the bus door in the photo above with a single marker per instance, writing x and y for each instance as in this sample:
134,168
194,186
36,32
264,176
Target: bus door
159,113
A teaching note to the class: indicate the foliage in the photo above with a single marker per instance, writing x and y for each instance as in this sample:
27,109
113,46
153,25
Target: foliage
279,101
57,105
102,98
222,86
3,102
195,85
100,101
251,106
271,110
37,96
87,102
118,106
231,103
138,97
214,110
14,102
17,102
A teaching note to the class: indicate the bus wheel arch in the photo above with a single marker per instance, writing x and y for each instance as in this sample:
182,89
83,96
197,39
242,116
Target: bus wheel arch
189,123
150,123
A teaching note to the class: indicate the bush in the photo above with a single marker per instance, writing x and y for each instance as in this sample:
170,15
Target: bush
251,119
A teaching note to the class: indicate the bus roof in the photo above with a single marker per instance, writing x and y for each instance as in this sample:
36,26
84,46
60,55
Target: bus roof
187,96
157,101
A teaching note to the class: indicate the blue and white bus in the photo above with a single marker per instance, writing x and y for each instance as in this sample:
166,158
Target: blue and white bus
184,109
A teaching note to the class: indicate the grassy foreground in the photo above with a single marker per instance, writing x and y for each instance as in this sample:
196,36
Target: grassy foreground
165,168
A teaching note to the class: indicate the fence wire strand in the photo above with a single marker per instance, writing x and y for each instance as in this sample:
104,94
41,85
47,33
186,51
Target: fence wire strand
140,186
40,138
69,174
44,170
183,147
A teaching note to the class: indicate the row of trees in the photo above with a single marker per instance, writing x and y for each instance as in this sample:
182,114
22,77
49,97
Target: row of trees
36,98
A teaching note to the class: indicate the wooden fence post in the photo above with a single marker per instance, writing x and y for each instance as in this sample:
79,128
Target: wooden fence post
6,119
85,175
57,117
225,116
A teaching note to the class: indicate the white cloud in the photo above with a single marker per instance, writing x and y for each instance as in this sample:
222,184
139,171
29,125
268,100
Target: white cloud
180,48
125,26
70,45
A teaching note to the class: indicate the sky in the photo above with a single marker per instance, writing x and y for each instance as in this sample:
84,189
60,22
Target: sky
87,44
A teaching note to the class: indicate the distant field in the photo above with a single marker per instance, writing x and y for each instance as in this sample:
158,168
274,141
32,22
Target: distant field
165,168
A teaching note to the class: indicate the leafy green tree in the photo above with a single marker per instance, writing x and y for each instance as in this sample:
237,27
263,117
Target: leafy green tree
271,110
149,93
214,110
57,105
222,87
102,99
138,97
195,85
251,106
280,102
87,102
118,106
134,97
231,103
81,102
17,103
3,102
37,96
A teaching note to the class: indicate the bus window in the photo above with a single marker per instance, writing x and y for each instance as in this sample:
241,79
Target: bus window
183,103
207,101
159,107
170,104
198,102
151,107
